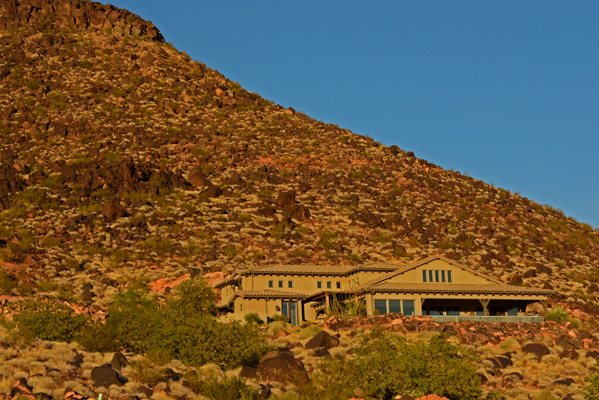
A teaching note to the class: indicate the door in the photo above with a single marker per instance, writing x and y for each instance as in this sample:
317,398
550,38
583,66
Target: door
289,309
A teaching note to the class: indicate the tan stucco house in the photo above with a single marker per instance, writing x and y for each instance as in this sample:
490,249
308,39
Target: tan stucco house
432,286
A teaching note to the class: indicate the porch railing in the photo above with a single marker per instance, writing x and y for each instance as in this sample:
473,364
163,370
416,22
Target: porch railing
487,318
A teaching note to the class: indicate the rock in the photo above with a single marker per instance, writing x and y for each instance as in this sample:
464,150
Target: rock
248,372
264,392
516,280
282,367
71,394
145,391
105,376
354,199
198,179
321,339
537,349
483,378
113,210
500,362
564,381
304,187
211,191
171,375
513,376
285,199
593,354
321,352
571,354
118,361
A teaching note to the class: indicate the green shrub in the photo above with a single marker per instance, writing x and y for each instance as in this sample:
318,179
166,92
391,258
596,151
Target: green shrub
193,296
386,363
47,321
7,282
228,388
557,314
591,390
252,318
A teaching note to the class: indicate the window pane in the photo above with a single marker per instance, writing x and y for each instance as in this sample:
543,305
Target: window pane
290,283
512,311
319,284
338,285
409,307
436,276
442,276
395,306
284,308
423,275
328,285
449,276
280,283
430,276
381,305
271,284
453,310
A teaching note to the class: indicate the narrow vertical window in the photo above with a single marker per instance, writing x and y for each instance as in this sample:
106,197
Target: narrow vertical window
280,283
423,275
338,285
449,276
436,276
442,276
290,283
430,275
319,285
271,283
329,285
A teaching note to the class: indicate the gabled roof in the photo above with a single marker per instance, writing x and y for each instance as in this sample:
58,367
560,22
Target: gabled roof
419,263
311,269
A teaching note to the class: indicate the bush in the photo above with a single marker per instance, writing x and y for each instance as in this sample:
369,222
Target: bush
252,318
233,388
47,321
557,314
388,363
591,391
193,296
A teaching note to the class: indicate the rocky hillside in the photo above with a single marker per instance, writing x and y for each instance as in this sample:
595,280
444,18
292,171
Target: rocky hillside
123,160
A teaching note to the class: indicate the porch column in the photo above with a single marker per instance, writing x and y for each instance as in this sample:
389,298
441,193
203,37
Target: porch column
485,304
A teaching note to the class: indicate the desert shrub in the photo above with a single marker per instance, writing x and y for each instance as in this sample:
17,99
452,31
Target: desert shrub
228,388
184,328
335,379
387,363
591,390
557,314
7,282
279,318
252,318
47,320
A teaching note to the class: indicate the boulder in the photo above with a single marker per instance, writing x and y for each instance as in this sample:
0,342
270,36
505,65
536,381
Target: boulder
113,210
537,349
248,372
500,362
198,179
564,381
321,352
105,376
322,339
282,367
285,199
118,361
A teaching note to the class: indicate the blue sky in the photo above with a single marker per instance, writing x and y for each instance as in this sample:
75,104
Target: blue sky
505,91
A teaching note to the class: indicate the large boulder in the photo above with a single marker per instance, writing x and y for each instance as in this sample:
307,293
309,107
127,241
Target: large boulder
537,349
322,339
282,367
119,361
105,376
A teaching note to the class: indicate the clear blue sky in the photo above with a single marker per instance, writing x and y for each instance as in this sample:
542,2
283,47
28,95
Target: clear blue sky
506,91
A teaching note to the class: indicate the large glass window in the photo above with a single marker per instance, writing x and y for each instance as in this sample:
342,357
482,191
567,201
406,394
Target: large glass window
409,307
381,305
395,306
453,311
289,309
423,275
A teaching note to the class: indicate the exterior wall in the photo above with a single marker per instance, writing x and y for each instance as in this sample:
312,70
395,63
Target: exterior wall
458,275
300,283
226,293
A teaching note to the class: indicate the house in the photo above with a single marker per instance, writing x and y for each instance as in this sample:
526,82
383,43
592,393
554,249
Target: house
432,286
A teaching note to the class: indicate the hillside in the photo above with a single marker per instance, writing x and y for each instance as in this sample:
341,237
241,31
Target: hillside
124,161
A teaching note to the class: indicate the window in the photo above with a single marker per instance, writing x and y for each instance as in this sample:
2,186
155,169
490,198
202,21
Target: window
329,285
319,285
442,276
271,283
381,305
423,275
449,276
430,275
338,285
241,307
408,307
280,283
436,276
395,306
290,283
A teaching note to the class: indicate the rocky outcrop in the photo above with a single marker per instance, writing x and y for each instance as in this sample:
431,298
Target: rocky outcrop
74,13
282,367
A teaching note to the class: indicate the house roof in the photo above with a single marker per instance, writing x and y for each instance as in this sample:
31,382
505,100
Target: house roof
311,269
455,288
271,294
417,264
